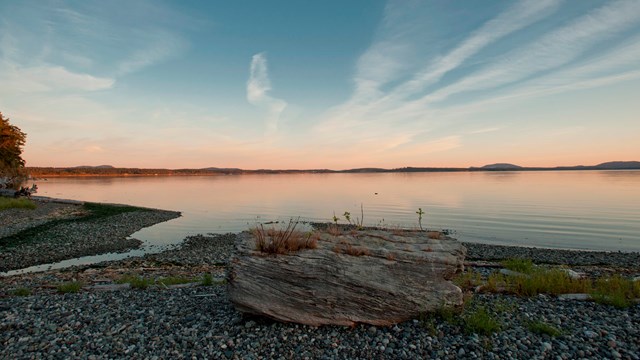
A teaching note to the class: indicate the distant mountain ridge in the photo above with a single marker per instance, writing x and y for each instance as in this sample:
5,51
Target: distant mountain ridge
501,166
93,167
620,165
109,170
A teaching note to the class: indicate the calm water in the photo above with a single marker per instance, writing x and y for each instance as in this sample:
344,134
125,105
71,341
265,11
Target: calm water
597,210
594,210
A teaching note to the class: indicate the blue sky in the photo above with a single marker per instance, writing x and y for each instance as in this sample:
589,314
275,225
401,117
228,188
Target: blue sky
327,84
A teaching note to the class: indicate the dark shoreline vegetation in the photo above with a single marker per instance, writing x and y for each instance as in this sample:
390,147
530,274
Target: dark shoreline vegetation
93,211
107,170
174,303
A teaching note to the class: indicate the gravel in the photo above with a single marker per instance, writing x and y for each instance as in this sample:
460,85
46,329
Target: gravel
476,251
199,322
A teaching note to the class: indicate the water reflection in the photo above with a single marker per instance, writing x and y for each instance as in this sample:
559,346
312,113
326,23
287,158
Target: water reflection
597,210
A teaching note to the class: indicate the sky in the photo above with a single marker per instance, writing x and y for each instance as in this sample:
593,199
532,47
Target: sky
322,84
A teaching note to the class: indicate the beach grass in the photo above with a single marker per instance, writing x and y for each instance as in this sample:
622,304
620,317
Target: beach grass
136,282
480,321
21,292
70,287
540,327
11,203
614,290
283,241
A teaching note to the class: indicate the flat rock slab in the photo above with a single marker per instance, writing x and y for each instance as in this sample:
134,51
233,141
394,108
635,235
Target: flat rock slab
394,276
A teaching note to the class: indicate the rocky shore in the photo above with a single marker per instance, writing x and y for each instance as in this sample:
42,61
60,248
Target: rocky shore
106,319
59,231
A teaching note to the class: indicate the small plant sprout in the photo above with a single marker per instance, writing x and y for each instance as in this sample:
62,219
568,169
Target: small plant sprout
347,215
335,218
420,213
70,287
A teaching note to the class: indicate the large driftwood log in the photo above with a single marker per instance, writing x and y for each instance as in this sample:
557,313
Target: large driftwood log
396,276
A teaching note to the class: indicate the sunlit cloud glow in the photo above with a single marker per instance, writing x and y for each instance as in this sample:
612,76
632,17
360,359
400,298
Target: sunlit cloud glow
407,83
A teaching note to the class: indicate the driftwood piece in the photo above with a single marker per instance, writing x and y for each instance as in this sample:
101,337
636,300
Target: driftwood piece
396,276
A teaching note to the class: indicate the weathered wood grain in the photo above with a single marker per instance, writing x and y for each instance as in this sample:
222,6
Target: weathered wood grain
404,274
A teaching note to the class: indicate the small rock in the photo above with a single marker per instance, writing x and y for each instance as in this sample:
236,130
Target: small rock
590,334
574,297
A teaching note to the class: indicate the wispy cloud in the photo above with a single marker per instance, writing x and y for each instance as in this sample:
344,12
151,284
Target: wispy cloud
258,88
534,68
155,46
555,49
49,78
516,17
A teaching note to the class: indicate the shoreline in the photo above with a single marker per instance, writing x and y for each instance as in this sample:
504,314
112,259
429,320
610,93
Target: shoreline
59,230
114,231
110,318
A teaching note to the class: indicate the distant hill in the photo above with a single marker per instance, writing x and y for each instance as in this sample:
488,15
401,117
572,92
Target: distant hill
619,165
221,169
93,167
108,170
501,166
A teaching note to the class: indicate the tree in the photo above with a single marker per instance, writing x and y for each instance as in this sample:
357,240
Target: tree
12,139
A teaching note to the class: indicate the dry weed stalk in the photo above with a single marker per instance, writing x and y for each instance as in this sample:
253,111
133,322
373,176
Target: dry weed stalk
346,248
334,230
283,241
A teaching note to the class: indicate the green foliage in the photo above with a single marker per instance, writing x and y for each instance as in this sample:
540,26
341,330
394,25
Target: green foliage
540,281
428,323
70,287
335,218
12,139
347,215
207,280
468,279
99,211
616,291
540,327
524,266
480,321
22,203
420,213
136,282
21,292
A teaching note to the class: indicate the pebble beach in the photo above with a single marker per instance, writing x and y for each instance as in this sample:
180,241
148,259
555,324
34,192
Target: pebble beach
109,320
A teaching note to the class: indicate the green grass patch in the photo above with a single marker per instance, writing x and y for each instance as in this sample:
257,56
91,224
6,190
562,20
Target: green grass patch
207,280
539,327
616,291
70,287
21,292
524,266
11,203
136,282
95,212
480,321
539,281
468,279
